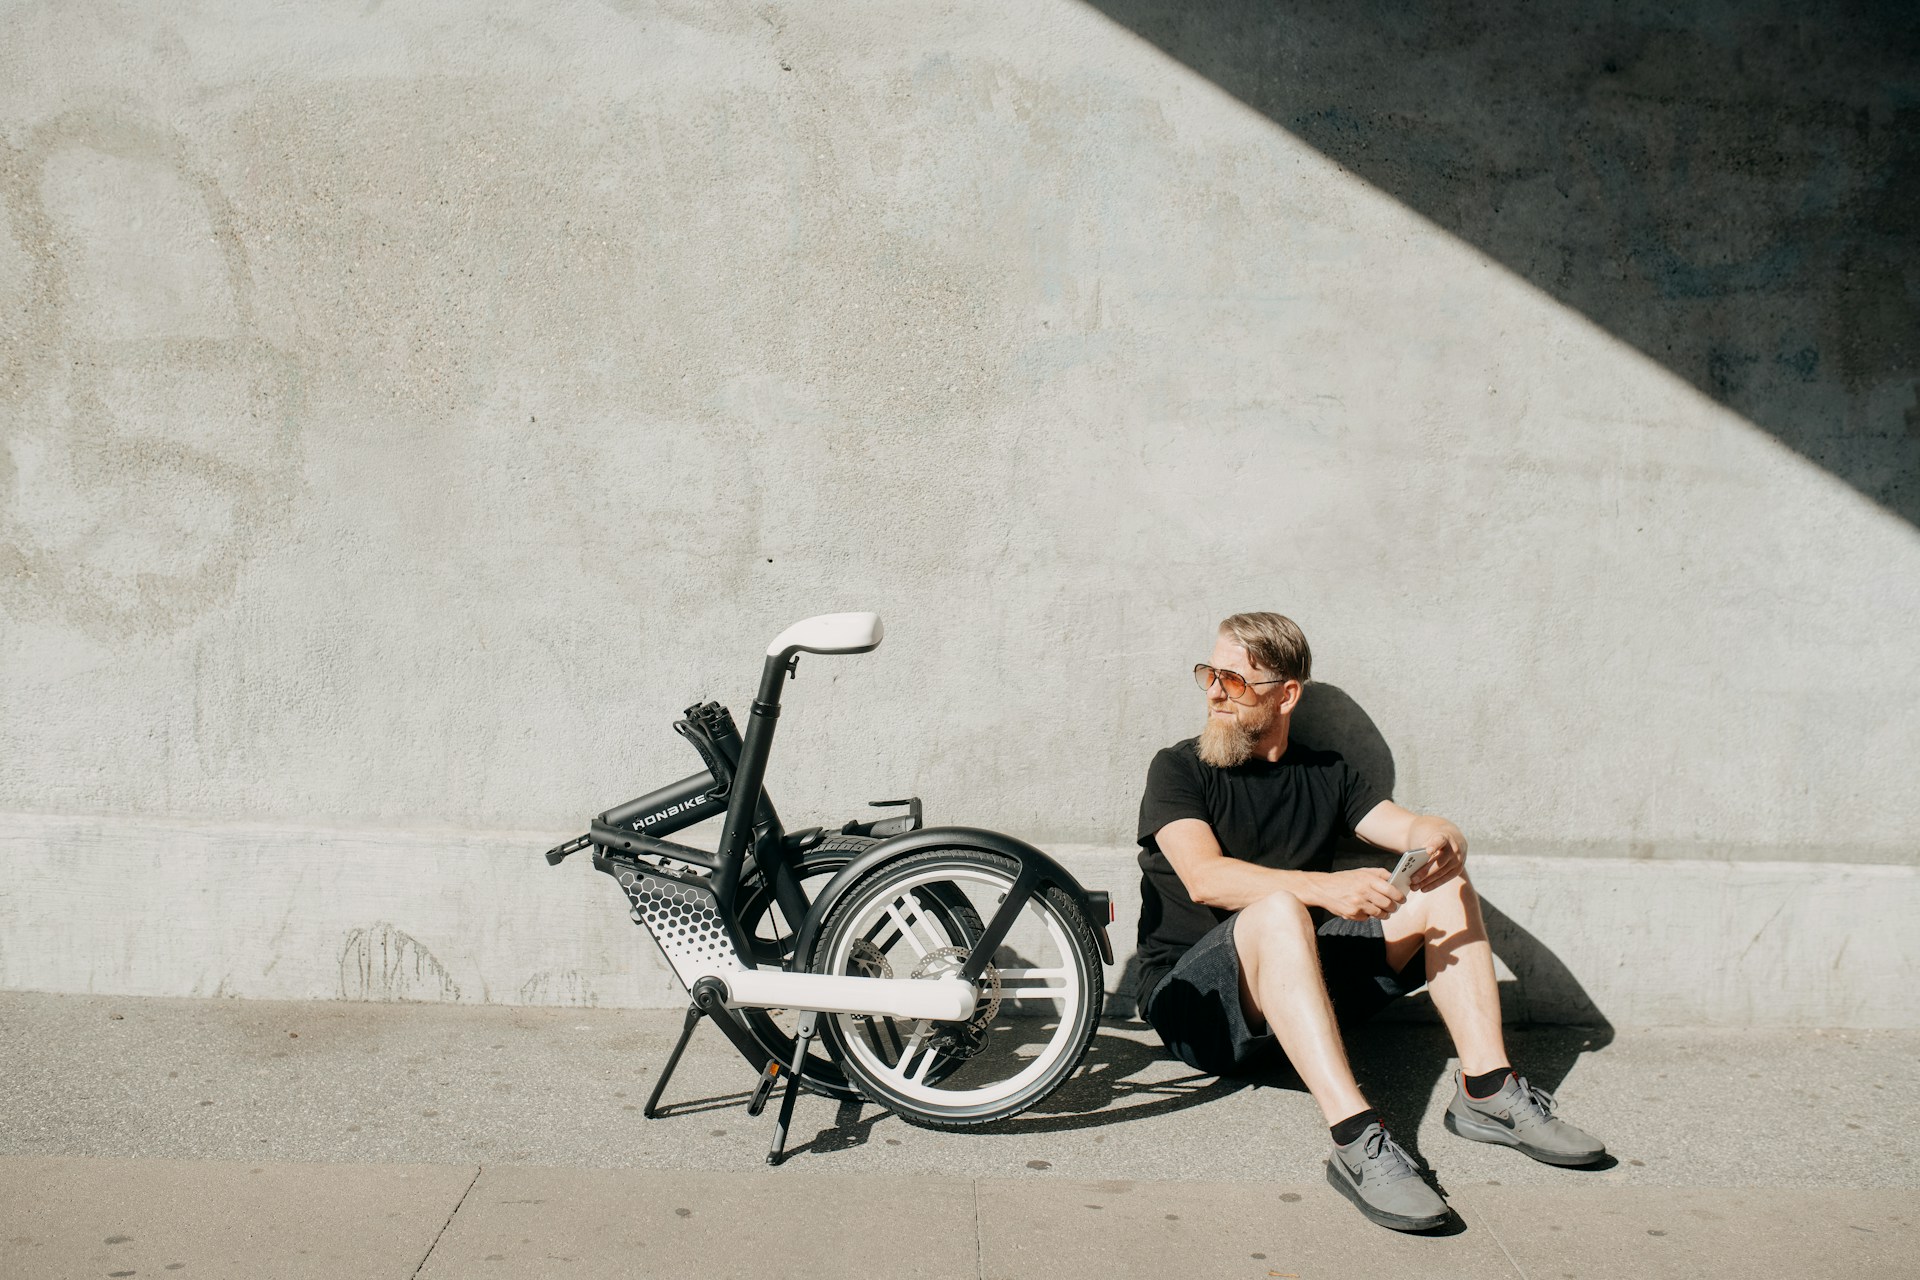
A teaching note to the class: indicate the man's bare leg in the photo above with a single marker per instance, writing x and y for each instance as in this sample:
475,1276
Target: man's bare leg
1446,922
1280,982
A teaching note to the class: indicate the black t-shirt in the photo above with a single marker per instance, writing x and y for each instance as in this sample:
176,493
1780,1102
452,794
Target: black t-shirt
1288,814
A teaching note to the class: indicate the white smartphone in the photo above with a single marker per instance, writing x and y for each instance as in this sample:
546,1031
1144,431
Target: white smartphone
1410,861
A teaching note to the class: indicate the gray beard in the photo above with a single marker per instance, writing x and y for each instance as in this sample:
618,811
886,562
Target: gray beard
1226,744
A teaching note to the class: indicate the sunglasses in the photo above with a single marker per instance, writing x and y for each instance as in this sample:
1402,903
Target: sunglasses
1232,683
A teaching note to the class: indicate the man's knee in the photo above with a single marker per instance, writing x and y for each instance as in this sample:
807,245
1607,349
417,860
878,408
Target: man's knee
1438,912
1277,920
1273,935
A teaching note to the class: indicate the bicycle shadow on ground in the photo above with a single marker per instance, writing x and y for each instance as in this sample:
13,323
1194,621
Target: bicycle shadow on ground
1121,1079
1118,1082
696,1106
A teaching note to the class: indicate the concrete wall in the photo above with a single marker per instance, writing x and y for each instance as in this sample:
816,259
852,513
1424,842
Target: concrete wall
272,911
407,409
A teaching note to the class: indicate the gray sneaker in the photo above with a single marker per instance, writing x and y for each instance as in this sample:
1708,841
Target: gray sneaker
1384,1183
1521,1116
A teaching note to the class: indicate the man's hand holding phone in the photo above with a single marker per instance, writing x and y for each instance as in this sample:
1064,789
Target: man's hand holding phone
1446,851
1410,862
1364,893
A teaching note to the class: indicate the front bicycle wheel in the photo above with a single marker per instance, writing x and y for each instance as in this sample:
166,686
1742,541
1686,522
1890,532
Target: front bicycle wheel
1040,997
771,936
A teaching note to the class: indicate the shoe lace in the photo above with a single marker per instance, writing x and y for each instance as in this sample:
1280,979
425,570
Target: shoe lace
1536,1099
1390,1160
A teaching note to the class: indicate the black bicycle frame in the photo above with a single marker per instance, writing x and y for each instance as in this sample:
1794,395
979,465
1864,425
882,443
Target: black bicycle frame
733,783
752,825
748,793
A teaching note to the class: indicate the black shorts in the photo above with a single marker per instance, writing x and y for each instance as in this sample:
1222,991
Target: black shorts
1196,1007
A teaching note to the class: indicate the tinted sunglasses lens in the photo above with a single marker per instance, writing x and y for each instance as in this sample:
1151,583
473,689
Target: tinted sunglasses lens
1230,684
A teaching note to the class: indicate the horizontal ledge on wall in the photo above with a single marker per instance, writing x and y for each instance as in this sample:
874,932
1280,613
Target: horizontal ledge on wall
135,906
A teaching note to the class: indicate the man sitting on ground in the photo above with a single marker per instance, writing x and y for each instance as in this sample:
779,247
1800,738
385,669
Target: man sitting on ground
1252,948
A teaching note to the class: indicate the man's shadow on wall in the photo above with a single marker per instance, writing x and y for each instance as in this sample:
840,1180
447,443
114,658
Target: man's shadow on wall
1551,1020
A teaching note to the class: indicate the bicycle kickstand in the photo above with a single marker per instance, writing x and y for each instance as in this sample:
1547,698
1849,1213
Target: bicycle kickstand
808,1024
652,1110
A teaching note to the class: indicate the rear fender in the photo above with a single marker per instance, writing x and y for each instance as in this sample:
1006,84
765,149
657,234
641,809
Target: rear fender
1037,871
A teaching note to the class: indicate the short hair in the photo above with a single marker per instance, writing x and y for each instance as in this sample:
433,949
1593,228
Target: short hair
1274,642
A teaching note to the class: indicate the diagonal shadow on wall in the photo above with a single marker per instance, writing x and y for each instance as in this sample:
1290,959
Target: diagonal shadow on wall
1733,188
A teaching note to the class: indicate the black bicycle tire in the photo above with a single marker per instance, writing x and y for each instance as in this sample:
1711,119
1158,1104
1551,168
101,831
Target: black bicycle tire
1093,995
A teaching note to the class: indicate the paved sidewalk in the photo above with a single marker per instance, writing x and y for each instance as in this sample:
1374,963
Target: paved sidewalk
160,1138
67,1217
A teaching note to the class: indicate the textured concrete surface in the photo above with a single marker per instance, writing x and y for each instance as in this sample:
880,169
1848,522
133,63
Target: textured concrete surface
399,431
504,1220
444,1084
747,1225
277,912
64,1218
1687,1232
405,410
1727,187
224,1137
1256,1230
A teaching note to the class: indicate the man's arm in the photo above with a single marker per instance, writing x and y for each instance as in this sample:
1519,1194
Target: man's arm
1215,880
1391,827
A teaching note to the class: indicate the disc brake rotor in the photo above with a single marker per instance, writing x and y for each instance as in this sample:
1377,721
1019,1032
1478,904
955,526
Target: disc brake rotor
962,1039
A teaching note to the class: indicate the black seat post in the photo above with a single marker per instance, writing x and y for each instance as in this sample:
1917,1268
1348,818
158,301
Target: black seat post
755,748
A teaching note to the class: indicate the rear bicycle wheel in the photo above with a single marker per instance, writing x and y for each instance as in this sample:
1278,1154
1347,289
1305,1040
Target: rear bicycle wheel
1040,997
772,938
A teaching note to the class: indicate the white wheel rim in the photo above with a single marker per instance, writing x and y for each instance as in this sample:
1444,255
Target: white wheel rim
907,1076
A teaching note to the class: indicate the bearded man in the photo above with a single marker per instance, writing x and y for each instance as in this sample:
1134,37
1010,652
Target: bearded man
1253,949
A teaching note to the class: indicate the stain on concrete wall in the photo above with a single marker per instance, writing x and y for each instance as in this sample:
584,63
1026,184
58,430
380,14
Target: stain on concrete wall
381,962
151,433
559,986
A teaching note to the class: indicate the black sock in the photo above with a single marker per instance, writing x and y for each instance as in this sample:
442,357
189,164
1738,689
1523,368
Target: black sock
1353,1126
1485,1086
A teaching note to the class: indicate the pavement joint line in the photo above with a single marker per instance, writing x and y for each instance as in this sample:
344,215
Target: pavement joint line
1505,1252
477,1171
979,1250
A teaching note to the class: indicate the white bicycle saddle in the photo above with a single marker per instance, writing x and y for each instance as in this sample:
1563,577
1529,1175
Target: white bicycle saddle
830,633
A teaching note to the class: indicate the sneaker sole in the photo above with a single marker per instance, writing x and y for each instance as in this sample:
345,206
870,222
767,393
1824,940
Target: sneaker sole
1507,1138
1380,1217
